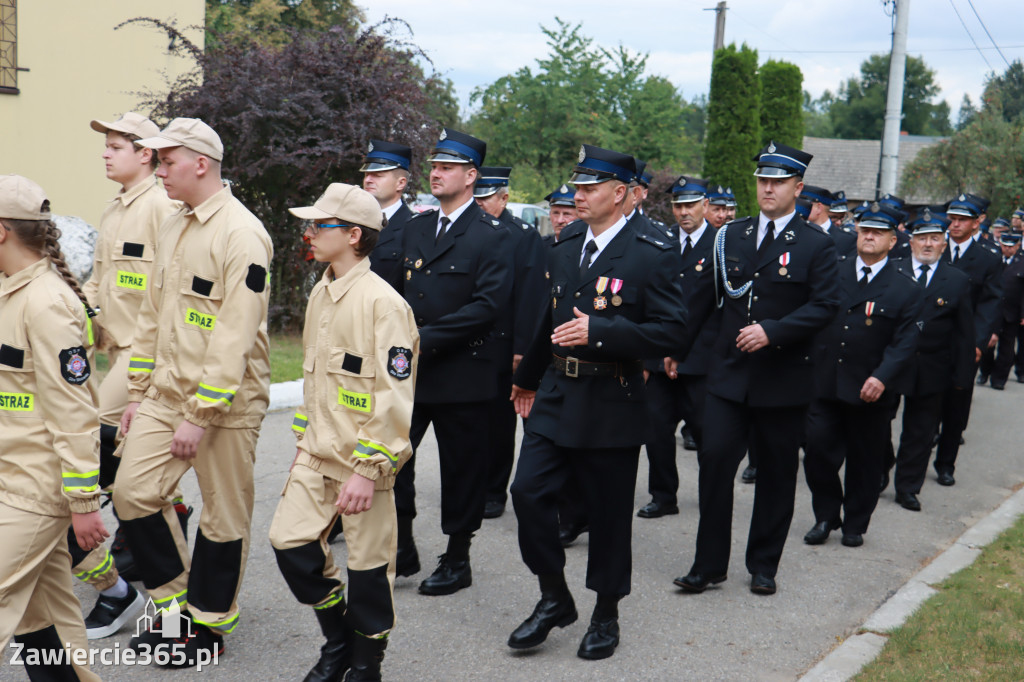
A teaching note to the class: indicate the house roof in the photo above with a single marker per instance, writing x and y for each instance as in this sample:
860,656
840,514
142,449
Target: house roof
852,166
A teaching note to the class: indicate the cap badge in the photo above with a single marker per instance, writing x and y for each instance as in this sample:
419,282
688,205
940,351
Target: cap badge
583,154
444,134
962,198
927,215
370,148
720,190
728,190
771,147
875,207
564,189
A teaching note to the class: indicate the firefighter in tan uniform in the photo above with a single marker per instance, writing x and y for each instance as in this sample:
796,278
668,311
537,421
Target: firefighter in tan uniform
200,368
122,264
361,349
49,457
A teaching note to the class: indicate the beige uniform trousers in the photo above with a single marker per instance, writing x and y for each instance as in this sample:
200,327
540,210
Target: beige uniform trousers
35,582
306,513
144,491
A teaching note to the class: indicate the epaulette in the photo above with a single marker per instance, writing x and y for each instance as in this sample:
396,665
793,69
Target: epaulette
429,213
815,226
737,220
842,257
566,238
654,241
908,274
493,222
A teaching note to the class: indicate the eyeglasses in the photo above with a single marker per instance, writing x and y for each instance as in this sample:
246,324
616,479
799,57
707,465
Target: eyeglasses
315,229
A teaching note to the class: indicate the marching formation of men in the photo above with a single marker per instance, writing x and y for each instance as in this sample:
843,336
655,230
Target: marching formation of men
801,327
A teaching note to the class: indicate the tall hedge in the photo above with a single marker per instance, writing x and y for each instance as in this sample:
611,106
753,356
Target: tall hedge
734,124
782,98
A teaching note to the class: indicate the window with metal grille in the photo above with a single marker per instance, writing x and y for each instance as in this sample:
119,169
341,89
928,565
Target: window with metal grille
9,47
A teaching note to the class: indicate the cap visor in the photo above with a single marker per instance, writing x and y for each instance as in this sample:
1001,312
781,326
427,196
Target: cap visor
159,143
961,212
686,198
773,172
101,126
445,157
876,225
310,213
483,192
372,166
929,229
588,179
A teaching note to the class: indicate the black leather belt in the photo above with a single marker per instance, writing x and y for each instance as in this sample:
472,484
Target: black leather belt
573,367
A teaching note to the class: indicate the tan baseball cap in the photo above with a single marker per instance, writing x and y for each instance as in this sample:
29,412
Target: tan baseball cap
22,199
130,123
347,203
191,133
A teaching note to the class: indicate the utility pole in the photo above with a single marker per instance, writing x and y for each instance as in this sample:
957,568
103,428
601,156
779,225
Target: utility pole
720,25
894,99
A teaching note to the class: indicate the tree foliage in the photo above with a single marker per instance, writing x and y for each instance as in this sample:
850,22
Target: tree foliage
296,116
1006,92
536,118
858,110
734,123
986,158
782,101
267,21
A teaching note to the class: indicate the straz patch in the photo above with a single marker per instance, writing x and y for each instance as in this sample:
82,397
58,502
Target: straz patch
74,365
202,320
131,280
360,402
400,362
16,402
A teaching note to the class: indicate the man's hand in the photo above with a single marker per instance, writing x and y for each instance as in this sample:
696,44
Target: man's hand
186,440
522,400
993,341
977,355
751,338
128,417
872,390
516,359
356,495
670,368
89,530
574,332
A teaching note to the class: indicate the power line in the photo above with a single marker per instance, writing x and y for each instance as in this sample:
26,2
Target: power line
924,51
969,35
969,2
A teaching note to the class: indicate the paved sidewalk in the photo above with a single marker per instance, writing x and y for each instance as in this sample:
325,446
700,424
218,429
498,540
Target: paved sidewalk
825,593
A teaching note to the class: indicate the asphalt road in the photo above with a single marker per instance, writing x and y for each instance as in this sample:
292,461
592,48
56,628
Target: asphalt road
727,633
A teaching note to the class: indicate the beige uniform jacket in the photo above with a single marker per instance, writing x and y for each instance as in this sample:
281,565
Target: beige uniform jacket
200,343
359,368
49,429
123,260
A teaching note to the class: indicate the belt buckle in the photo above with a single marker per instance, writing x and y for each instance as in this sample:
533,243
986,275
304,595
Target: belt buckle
572,367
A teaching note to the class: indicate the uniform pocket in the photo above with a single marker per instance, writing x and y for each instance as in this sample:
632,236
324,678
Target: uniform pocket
351,373
131,263
201,297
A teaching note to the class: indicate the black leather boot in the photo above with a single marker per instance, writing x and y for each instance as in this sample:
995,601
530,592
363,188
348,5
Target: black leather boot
367,655
602,636
555,609
407,559
453,571
336,653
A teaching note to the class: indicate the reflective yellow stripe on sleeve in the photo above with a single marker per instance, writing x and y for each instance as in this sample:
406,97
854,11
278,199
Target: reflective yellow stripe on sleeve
86,483
212,394
367,449
299,422
141,364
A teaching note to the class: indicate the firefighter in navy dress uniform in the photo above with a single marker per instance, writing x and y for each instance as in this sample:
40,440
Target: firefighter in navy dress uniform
776,278
615,299
385,172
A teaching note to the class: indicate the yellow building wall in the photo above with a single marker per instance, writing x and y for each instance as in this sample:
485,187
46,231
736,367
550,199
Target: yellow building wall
80,68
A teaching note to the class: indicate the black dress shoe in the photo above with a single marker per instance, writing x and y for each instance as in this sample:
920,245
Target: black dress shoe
885,480
908,501
762,584
853,539
568,534
493,509
998,386
688,442
448,578
553,610
982,379
749,475
601,639
946,478
407,560
819,533
698,582
654,510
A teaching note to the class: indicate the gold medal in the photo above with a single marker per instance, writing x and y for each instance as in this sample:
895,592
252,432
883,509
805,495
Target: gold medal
941,302
418,263
408,274
698,268
600,303
616,300
783,271
554,303
868,322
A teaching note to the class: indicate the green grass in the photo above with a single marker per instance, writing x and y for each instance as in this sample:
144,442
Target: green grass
973,629
285,357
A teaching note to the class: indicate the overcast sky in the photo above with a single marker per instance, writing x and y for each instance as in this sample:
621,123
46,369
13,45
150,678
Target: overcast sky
474,43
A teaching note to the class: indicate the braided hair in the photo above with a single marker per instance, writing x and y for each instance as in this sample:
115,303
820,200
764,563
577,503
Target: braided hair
42,236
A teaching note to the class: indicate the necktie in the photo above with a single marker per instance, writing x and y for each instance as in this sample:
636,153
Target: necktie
956,253
769,237
445,222
588,255
687,247
867,273
922,279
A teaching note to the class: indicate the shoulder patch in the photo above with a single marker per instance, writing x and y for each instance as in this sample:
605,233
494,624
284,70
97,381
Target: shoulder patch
400,362
74,365
653,241
257,278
